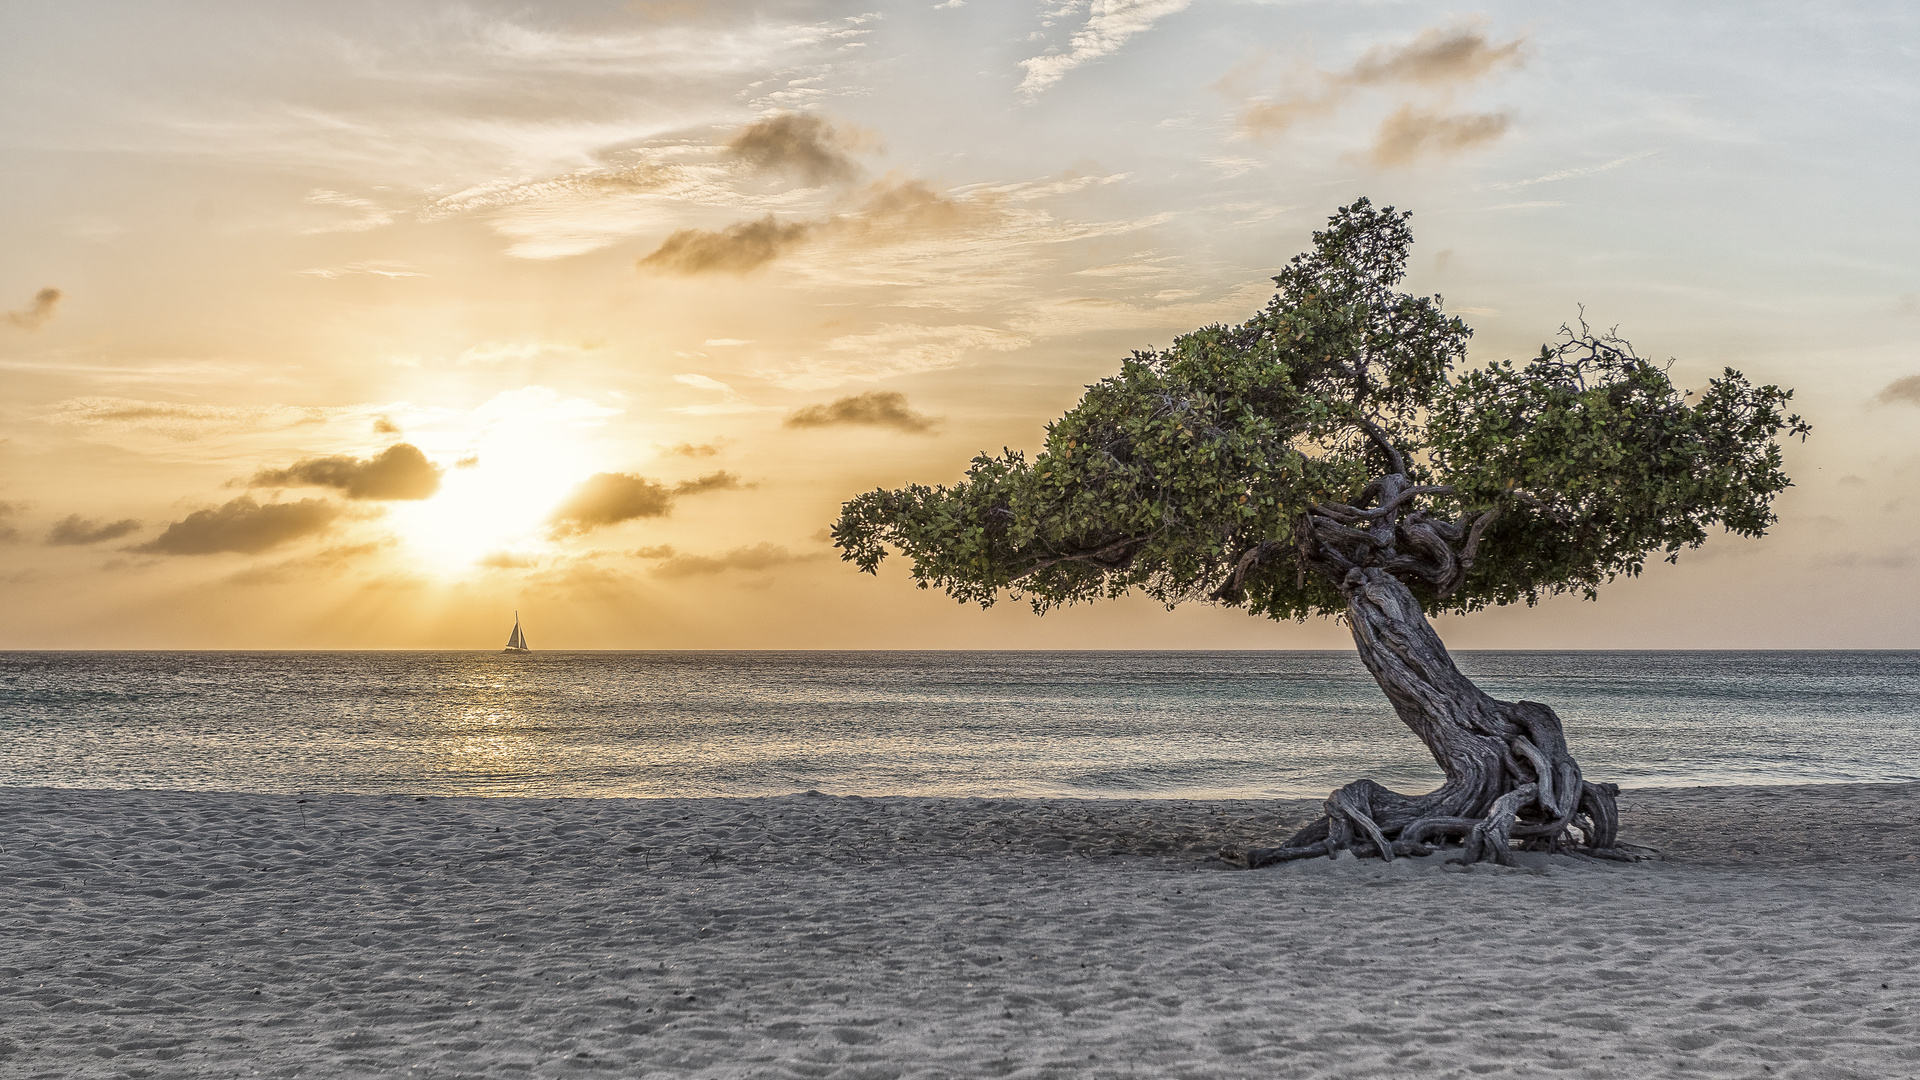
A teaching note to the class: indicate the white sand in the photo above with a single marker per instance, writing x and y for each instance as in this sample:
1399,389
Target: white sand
205,935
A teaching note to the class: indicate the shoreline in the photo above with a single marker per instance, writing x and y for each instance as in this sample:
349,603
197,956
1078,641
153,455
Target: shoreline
199,934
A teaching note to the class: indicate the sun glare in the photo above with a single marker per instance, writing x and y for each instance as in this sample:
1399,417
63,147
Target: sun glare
497,507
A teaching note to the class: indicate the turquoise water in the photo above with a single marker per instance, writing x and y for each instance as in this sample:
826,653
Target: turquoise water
1075,724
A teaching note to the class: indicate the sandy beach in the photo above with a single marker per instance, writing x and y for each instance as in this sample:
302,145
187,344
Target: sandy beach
158,934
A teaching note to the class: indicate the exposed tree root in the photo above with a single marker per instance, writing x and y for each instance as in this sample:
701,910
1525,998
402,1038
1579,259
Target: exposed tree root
1511,782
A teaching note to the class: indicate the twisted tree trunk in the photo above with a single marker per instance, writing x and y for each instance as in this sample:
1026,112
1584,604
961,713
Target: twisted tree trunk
1509,775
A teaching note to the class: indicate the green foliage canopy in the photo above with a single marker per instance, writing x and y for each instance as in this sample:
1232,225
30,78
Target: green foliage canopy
1216,469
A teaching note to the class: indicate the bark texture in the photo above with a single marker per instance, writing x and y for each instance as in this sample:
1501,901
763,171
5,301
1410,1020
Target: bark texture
1509,776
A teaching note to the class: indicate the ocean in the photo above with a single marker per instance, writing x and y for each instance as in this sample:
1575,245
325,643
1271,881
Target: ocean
1054,724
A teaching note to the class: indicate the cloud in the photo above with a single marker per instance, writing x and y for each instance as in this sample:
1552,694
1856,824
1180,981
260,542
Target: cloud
38,312
370,215
694,450
611,498
385,426
731,400
1439,58
244,526
891,210
900,232
1903,390
1435,58
804,145
385,270
897,349
636,187
875,408
183,423
74,529
8,533
1109,25
897,209
608,499
1569,174
714,481
1412,133
761,556
737,249
400,471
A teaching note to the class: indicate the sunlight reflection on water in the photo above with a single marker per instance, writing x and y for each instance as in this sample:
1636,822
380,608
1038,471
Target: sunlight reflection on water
1219,724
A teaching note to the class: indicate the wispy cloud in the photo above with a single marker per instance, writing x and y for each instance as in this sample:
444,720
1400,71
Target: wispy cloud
1569,174
183,422
74,530
1110,24
370,215
1438,59
730,401
386,270
875,408
895,349
758,557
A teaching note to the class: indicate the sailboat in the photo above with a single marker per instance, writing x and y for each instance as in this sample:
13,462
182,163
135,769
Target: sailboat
516,641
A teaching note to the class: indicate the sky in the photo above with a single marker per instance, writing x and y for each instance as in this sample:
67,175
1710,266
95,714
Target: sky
366,325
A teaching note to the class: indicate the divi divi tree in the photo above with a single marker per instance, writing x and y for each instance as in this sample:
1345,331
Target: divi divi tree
1333,456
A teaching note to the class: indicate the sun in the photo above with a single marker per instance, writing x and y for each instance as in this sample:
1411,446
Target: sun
496,502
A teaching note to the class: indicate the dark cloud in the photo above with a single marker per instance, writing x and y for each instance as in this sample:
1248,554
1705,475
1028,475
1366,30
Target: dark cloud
714,481
608,499
1437,57
1904,391
875,408
693,450
1413,133
8,533
384,426
400,471
611,498
891,210
38,312
800,144
737,249
244,526
74,529
758,557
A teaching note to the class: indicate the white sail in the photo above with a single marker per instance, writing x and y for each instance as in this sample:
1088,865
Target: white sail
516,641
